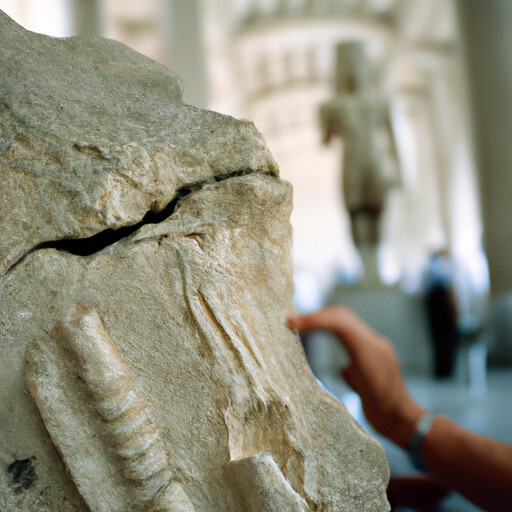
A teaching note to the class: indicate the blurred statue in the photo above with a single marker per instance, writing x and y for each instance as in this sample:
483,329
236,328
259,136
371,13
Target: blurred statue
360,115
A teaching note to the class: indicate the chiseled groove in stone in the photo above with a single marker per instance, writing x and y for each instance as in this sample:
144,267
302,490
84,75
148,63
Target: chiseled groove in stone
135,438
223,335
240,336
121,404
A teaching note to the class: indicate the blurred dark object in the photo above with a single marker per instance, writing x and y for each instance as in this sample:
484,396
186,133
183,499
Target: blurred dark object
441,314
416,491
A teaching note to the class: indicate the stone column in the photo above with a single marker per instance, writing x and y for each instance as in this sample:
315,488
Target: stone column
87,17
187,57
487,39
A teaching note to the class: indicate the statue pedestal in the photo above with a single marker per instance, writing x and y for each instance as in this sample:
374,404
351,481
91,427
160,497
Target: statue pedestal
371,277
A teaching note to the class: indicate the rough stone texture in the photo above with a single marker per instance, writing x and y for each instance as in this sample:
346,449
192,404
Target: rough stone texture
154,372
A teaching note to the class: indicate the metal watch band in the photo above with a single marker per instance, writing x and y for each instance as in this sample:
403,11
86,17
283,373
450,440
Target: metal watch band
414,447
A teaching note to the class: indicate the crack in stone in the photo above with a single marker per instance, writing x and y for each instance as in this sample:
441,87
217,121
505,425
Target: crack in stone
101,240
109,236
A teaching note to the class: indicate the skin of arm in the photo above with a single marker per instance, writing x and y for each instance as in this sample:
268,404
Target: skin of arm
478,468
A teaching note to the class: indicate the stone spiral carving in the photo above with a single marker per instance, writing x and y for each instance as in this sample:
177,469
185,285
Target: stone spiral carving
124,419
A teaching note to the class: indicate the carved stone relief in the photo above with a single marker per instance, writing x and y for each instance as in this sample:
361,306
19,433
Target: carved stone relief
145,278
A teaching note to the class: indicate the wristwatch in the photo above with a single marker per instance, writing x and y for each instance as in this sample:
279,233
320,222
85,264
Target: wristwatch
414,446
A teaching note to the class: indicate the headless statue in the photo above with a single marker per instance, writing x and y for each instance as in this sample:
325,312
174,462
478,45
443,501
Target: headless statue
358,114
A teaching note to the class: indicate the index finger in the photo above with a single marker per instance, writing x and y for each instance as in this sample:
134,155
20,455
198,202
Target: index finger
347,326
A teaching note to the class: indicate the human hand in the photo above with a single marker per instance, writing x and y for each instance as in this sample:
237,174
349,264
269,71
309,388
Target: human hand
373,372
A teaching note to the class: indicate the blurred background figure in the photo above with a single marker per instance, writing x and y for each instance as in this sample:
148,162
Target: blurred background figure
443,67
441,313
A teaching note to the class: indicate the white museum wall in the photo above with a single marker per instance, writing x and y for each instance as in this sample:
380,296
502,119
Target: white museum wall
52,17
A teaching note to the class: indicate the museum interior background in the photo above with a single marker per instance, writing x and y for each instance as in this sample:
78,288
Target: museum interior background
445,67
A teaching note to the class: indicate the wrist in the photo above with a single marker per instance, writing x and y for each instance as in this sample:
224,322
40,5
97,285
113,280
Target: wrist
416,440
405,419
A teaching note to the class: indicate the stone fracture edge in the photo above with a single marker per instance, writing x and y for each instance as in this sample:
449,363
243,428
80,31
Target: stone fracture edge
108,237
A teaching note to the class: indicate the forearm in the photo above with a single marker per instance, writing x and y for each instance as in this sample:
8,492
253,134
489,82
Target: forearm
478,468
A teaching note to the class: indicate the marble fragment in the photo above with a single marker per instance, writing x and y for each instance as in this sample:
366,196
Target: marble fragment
145,278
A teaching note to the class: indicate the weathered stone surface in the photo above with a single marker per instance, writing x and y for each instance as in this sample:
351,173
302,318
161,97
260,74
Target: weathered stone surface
156,372
94,135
